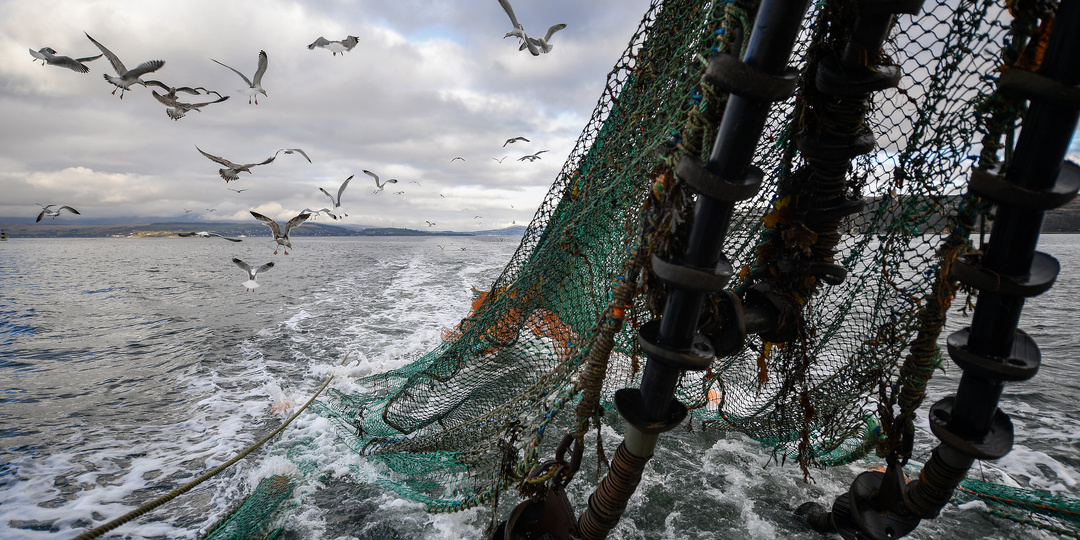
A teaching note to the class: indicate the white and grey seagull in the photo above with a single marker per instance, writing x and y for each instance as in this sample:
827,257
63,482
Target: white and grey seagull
340,46
315,213
232,170
513,140
542,43
255,83
532,157
48,55
282,237
126,78
293,151
46,211
177,109
207,234
519,30
172,91
252,273
336,201
379,185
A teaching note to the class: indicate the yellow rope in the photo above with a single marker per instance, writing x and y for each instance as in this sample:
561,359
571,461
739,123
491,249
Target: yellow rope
98,531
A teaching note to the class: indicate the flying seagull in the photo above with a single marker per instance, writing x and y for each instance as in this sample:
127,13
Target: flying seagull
206,234
519,30
254,88
45,211
326,211
251,284
238,190
232,170
282,238
176,109
457,158
336,201
293,151
126,78
542,43
429,223
532,157
48,55
341,46
377,183
513,140
500,160
172,91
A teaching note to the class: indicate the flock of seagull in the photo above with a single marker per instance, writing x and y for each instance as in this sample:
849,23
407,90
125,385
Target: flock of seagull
125,79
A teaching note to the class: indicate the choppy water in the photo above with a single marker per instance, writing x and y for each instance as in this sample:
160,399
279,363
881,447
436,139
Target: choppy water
130,366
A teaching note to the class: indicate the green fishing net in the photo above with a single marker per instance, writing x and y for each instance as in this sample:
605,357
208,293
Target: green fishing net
473,416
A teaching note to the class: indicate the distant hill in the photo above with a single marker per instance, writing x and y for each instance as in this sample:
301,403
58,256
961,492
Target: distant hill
517,230
1061,220
72,228
391,231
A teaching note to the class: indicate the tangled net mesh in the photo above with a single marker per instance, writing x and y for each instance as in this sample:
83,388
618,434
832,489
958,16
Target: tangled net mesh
468,419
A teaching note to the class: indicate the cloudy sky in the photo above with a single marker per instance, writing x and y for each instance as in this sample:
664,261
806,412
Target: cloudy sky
429,80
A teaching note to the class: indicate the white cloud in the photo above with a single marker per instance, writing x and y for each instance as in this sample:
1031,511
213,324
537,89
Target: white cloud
428,81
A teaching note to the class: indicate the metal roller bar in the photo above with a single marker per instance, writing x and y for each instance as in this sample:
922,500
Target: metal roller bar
652,409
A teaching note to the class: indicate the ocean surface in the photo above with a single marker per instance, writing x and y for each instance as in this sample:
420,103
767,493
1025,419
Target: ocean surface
129,367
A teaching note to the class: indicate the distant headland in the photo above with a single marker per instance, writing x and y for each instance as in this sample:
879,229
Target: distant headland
75,228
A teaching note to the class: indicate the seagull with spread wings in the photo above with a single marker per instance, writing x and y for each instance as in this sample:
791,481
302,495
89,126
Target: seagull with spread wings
293,151
251,284
177,109
126,78
46,211
172,91
282,237
379,185
518,30
315,213
336,201
513,140
532,157
340,46
232,170
255,83
48,55
542,44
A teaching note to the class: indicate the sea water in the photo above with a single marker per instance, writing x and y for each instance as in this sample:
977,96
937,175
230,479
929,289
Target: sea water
130,366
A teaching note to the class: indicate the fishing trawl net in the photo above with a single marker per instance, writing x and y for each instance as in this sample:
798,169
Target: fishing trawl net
468,419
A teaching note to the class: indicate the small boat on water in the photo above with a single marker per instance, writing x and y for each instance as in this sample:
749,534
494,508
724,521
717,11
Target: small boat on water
3,236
